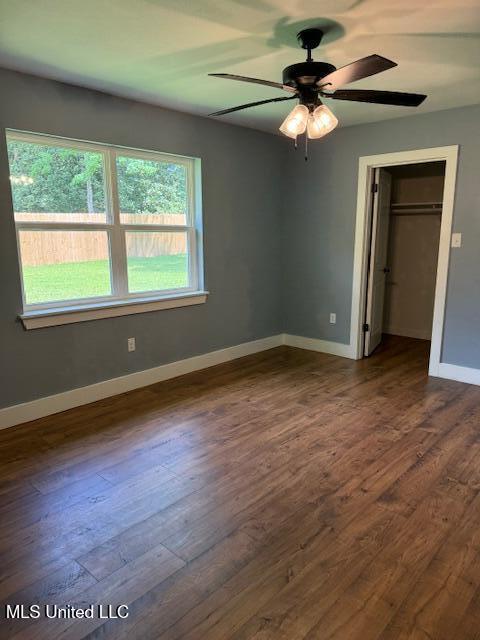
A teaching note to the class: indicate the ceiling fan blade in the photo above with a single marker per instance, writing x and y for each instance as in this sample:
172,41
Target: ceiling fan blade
250,104
357,70
267,83
379,97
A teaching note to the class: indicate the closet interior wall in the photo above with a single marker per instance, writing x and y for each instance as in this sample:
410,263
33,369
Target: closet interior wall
414,232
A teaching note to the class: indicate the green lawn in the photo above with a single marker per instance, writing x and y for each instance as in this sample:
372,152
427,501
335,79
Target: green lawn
73,280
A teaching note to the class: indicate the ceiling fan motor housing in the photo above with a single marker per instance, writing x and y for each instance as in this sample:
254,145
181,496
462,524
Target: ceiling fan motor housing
306,73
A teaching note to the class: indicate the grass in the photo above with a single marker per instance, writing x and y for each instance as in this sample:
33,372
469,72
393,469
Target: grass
72,280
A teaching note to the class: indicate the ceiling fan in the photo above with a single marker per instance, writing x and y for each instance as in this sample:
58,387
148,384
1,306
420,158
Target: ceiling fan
310,81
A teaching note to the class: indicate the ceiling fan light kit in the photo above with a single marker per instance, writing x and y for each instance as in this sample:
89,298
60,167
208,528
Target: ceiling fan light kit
320,122
296,121
317,123
310,81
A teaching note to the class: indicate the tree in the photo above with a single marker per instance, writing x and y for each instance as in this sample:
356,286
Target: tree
148,186
72,181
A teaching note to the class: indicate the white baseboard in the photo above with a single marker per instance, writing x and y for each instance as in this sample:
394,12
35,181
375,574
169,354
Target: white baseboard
41,407
324,346
461,374
27,411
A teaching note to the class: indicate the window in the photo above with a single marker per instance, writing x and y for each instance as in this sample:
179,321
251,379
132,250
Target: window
102,225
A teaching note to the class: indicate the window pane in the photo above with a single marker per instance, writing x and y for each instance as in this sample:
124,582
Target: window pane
156,260
64,265
56,184
151,192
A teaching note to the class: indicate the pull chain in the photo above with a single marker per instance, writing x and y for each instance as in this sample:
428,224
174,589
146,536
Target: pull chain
306,147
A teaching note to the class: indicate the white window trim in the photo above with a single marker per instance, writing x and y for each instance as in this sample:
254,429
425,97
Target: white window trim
121,302
84,313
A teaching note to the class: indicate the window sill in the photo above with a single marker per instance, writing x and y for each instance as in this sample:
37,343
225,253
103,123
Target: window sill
84,313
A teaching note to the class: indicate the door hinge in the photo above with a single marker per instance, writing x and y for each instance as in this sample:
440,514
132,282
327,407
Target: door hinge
374,187
366,327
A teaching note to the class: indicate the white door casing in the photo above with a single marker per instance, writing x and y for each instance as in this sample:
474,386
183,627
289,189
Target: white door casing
378,260
367,164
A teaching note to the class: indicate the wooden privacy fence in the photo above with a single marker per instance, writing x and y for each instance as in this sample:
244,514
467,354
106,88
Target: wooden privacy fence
56,247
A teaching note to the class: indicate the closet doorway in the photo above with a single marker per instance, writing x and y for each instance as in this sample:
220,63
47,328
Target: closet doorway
394,190
404,240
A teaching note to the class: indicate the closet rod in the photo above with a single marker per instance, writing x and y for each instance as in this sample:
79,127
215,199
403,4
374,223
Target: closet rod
416,212
414,208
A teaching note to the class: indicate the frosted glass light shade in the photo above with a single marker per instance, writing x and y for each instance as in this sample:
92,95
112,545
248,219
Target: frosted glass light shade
296,121
321,122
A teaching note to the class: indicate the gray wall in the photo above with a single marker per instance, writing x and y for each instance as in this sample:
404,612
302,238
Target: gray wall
278,236
241,171
318,227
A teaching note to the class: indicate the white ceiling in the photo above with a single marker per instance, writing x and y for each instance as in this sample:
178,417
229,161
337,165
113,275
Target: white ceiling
161,51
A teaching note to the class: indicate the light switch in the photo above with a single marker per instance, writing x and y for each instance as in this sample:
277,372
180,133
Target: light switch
456,240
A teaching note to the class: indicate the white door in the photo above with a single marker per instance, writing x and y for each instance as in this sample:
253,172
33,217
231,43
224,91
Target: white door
378,260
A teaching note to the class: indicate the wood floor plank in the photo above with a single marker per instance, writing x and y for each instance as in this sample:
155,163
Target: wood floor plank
58,587
122,587
454,569
287,495
288,554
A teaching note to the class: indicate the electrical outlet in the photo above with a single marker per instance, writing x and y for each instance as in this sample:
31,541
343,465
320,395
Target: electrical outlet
131,344
456,240
333,318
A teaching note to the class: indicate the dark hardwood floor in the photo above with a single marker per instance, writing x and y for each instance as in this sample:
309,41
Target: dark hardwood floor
286,495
